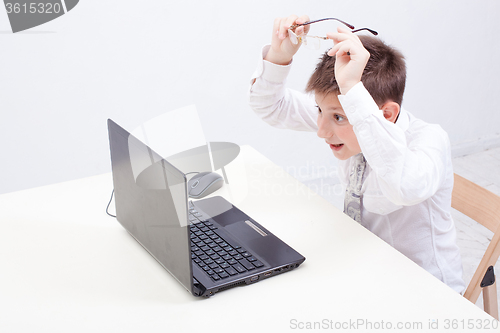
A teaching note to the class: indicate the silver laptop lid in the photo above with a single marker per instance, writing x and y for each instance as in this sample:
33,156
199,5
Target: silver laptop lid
151,202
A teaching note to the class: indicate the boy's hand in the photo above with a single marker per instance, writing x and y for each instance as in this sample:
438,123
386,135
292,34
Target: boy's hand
351,58
282,49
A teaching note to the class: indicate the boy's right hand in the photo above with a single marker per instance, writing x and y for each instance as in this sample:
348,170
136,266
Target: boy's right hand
282,49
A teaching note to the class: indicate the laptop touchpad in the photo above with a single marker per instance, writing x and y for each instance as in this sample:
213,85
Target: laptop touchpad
222,211
229,217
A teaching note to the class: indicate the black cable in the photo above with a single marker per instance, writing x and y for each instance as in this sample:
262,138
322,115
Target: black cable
110,203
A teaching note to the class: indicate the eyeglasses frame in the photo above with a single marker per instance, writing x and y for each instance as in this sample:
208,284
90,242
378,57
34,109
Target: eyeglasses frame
301,38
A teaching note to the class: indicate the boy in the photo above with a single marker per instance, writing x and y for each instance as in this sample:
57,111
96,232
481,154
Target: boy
396,168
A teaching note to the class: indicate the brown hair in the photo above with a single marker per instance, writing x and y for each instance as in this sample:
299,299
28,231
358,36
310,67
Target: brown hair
384,75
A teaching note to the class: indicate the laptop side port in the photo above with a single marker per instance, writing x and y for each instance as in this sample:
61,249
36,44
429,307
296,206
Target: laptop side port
254,278
268,273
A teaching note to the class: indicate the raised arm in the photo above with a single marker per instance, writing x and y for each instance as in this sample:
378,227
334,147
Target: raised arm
268,97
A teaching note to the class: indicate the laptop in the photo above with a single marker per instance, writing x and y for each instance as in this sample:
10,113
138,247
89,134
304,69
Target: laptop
208,245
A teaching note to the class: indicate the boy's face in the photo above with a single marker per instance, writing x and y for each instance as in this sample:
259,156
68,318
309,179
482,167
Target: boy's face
334,127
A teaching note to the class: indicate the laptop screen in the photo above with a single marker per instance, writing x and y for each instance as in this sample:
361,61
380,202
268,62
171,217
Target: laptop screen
151,202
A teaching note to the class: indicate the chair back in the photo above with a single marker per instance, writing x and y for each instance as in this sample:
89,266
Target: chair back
482,206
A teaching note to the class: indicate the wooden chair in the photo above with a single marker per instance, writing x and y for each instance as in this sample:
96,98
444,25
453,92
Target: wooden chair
482,206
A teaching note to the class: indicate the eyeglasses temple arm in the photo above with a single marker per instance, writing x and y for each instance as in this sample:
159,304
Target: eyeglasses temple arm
367,29
330,18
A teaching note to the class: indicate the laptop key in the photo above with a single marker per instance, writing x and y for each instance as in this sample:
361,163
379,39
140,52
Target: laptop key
239,268
223,275
215,277
251,259
258,264
231,271
247,264
218,270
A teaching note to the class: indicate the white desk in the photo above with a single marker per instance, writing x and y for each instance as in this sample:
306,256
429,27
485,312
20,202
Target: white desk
68,267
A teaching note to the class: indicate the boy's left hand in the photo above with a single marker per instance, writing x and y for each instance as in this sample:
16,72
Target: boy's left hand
351,58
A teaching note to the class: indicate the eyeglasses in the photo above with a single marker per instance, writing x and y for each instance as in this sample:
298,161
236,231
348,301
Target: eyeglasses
314,41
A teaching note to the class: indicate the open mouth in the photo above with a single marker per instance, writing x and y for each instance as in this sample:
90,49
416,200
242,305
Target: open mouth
336,146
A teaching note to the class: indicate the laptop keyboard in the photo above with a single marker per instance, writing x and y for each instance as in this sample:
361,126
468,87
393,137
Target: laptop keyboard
218,257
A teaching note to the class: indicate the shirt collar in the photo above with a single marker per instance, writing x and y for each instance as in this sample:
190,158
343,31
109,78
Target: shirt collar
403,121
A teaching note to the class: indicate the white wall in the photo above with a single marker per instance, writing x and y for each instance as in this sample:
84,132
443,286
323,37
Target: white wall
133,60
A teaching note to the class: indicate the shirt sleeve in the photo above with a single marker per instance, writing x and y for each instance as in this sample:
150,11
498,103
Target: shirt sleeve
277,105
410,165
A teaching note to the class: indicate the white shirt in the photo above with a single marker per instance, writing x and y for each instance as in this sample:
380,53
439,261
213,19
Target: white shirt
408,179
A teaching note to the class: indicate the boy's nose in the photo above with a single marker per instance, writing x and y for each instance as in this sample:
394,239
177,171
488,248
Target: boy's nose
324,131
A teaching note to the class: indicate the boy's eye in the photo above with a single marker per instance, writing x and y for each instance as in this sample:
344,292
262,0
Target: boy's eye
338,117
319,109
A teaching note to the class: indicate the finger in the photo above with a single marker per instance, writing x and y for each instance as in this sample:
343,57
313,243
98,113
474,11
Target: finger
340,48
333,51
285,25
345,49
338,37
276,27
301,20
